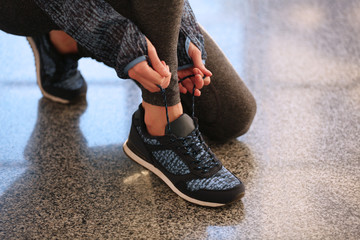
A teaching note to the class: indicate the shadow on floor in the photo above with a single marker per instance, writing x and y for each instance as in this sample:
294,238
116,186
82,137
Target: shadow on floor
71,190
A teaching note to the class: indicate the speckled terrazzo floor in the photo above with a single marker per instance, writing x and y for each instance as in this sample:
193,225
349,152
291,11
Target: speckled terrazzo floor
63,173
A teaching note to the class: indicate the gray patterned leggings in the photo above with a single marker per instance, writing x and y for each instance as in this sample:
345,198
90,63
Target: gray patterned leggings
225,108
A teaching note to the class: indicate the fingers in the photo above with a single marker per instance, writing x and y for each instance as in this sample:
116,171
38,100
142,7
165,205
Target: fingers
198,63
159,72
198,79
199,67
148,77
188,86
207,81
195,55
151,77
182,89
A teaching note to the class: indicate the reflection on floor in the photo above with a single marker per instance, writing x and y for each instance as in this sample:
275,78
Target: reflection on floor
63,173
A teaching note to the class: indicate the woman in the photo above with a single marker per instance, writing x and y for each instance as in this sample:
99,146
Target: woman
160,45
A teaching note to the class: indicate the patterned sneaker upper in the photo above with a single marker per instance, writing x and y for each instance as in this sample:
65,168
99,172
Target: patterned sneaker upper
183,160
185,153
222,180
59,75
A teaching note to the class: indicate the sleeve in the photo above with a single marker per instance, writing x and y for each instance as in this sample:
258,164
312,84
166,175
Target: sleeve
189,32
96,26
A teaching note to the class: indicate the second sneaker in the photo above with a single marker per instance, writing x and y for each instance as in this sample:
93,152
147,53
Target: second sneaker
57,74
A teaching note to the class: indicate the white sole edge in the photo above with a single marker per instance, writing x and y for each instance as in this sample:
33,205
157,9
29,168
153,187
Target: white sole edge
157,172
38,76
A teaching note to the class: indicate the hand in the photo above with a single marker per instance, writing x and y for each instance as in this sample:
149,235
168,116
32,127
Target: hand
150,77
199,70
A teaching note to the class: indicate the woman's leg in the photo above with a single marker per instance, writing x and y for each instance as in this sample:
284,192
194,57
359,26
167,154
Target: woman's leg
225,96
56,62
160,22
226,108
154,18
181,159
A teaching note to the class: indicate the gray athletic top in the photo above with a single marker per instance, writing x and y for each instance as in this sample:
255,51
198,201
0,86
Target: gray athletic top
112,38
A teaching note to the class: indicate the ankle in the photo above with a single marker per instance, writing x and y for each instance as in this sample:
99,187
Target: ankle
63,43
155,117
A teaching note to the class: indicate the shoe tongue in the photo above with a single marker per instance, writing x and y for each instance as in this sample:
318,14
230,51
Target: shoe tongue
182,126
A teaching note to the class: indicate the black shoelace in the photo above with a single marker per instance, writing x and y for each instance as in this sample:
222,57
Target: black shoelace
193,143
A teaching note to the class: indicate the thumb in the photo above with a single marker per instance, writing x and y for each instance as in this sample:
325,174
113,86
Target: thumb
198,63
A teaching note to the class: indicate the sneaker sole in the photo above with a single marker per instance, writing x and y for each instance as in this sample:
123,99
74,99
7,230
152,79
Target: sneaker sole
38,76
158,173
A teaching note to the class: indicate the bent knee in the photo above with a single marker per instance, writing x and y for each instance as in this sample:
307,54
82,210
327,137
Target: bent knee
245,120
234,122
239,120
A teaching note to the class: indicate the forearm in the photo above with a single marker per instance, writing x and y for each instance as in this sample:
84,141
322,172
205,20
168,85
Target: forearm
189,32
96,26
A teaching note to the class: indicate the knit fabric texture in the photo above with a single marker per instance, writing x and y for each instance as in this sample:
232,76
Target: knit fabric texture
150,141
94,24
110,37
189,29
171,162
222,180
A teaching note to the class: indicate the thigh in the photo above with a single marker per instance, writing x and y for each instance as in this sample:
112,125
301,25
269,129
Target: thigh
226,107
24,17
